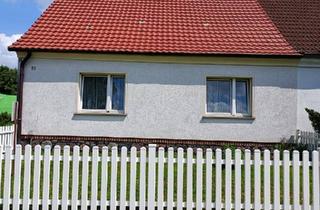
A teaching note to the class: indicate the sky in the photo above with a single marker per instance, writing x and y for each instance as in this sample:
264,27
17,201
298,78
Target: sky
16,16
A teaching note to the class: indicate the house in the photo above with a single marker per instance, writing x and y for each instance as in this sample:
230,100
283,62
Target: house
168,71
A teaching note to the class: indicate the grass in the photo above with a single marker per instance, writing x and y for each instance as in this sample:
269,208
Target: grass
70,174
6,102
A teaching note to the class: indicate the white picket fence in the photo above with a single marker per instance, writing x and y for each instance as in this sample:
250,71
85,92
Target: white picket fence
6,135
157,179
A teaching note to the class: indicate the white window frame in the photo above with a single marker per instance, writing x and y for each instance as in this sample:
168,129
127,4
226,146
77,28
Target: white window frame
233,96
108,108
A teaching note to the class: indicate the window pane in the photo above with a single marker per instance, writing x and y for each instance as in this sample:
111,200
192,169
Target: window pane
219,95
118,93
94,93
242,96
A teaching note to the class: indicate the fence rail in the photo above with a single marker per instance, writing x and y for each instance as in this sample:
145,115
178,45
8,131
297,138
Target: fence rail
6,135
152,178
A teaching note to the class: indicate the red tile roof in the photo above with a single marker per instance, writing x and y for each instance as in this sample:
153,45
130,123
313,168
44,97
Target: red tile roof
298,21
156,26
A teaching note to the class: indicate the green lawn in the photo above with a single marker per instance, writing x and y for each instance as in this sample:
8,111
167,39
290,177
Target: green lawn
6,102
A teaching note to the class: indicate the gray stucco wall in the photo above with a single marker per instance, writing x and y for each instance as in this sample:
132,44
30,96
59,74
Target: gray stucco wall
308,93
162,101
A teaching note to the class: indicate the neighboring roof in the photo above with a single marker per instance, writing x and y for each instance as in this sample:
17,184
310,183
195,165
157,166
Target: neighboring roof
298,21
156,26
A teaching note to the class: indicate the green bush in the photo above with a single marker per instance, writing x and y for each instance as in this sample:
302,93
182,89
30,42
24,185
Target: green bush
5,119
314,117
8,80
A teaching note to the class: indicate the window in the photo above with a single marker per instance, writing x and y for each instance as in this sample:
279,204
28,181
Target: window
103,93
229,96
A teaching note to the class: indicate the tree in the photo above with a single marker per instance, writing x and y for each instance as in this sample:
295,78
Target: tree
314,117
8,80
5,119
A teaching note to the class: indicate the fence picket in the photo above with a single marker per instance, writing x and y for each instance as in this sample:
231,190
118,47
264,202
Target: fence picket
65,178
26,175
315,178
56,176
46,177
75,178
142,180
189,178
306,181
296,180
199,179
104,178
7,179
17,177
276,181
36,178
228,191
123,178
218,179
94,178
286,180
209,179
170,179
84,178
160,178
237,190
151,177
266,177
257,180
113,181
247,177
133,175
180,179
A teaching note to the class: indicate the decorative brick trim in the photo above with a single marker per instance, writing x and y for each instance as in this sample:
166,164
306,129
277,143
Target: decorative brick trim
100,141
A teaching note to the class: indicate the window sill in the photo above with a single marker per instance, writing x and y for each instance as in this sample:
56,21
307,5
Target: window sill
215,116
100,113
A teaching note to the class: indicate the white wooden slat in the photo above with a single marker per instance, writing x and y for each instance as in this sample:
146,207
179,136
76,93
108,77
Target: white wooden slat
36,177
315,182
228,180
84,178
65,178
94,178
133,176
7,178
180,179
75,178
56,176
17,177
237,190
104,178
142,179
151,177
218,179
209,179
306,180
189,178
26,177
247,179
199,179
257,180
276,180
123,178
113,181
160,198
170,180
266,180
46,178
286,180
296,180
